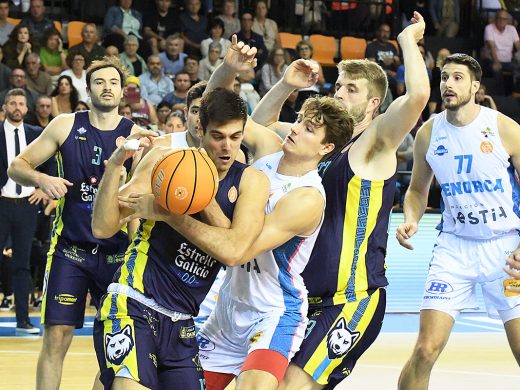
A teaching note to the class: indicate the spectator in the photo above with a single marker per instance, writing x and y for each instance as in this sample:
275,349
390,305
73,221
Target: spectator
191,66
125,110
208,64
175,123
78,74
163,111
143,112
445,16
181,85
154,85
482,98
64,97
215,29
52,54
382,51
5,72
400,84
41,116
404,166
130,59
19,204
231,22
112,51
89,46
194,26
435,102
273,70
120,22
266,27
173,58
500,39
5,27
304,50
81,106
160,22
19,44
37,22
38,81
247,93
251,38
18,79
288,113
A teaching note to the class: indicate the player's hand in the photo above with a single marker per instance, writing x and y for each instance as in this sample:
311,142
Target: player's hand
404,232
126,147
240,57
416,29
144,206
513,269
38,196
301,74
54,187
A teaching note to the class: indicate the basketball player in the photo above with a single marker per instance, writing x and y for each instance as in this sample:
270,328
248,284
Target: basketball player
346,271
513,270
473,151
77,261
146,337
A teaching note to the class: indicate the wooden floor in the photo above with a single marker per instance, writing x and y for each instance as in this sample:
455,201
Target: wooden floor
476,361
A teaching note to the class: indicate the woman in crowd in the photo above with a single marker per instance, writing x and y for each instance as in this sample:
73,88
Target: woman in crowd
273,69
215,31
77,73
64,98
266,27
52,55
19,44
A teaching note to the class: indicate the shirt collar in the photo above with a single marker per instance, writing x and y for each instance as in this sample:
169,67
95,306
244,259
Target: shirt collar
8,126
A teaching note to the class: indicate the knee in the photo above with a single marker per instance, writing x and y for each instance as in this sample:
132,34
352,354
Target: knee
57,338
427,352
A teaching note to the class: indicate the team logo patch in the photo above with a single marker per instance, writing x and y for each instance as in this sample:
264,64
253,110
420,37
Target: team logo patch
439,287
81,130
340,339
118,345
232,194
93,180
205,344
487,132
181,193
486,147
254,338
440,151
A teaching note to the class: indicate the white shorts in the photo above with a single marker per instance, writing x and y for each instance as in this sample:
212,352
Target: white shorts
458,264
234,330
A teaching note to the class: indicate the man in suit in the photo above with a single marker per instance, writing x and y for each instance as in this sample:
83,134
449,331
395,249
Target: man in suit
19,204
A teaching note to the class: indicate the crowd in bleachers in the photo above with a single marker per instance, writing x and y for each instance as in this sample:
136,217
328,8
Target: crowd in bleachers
168,46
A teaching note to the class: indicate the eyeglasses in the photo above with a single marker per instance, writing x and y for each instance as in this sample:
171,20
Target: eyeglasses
18,76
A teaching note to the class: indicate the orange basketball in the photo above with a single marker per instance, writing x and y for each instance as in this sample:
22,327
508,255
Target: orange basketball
185,181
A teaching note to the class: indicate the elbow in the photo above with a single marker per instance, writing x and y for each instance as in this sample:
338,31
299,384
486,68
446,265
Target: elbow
235,257
12,171
101,232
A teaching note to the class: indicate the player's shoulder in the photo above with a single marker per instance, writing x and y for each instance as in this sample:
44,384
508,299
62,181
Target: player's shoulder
254,177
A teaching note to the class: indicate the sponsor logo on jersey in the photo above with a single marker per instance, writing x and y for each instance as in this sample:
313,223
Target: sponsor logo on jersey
440,151
88,192
486,147
115,258
482,216
153,358
194,262
74,253
187,332
66,299
205,344
254,338
81,130
473,186
487,132
232,194
439,287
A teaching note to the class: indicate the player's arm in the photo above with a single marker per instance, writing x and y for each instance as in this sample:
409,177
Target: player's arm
404,112
107,213
416,198
510,135
298,213
23,168
260,140
300,74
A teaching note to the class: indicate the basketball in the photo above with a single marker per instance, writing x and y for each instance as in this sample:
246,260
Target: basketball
185,181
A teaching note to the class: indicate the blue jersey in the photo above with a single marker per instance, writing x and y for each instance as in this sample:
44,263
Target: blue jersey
80,161
165,266
348,259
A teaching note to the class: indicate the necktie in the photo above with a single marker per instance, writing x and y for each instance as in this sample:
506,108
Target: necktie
16,153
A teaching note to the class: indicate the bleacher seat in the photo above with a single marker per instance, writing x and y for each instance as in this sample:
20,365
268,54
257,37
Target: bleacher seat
324,49
352,48
289,41
74,32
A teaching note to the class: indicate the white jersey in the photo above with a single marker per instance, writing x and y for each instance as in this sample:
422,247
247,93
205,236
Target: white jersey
179,140
480,192
272,282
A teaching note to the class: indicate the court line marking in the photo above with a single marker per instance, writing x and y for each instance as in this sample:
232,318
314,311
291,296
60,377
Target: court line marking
38,352
515,376
471,324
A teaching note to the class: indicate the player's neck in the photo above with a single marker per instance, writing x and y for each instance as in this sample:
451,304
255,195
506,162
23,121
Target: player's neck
289,166
193,142
464,115
104,120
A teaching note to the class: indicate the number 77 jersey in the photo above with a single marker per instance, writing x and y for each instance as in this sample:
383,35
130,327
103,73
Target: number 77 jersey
480,191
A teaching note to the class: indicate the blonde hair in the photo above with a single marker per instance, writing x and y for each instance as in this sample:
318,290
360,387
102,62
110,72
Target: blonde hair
368,70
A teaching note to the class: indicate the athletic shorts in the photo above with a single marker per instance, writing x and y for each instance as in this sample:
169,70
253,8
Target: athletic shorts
234,331
71,272
338,335
459,264
135,341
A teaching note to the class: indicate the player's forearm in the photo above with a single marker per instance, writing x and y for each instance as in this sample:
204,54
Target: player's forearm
24,174
106,215
223,77
416,75
226,245
414,206
268,109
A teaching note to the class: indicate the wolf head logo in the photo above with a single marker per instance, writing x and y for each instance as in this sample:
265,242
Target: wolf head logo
340,339
118,345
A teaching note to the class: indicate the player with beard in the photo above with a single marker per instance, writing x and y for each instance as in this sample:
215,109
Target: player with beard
473,151
77,261
345,275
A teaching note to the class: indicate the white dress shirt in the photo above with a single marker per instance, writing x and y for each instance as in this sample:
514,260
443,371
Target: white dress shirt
9,190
